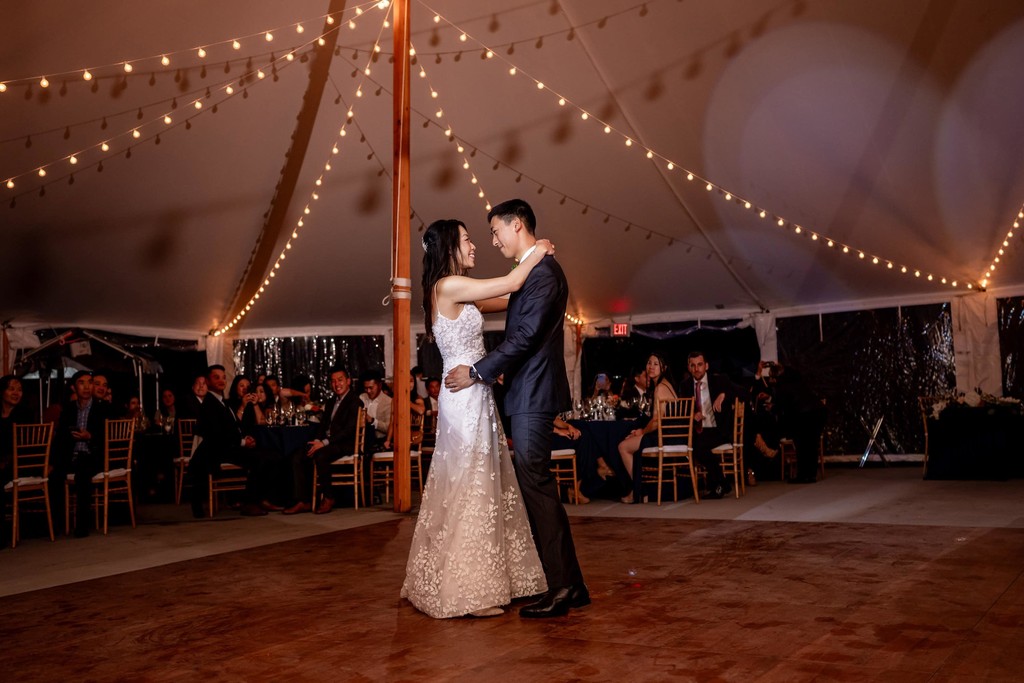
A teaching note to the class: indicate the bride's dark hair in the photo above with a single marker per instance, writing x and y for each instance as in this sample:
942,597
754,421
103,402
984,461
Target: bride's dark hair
440,259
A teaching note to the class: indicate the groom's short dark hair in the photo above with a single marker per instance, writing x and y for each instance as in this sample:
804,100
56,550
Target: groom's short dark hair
515,208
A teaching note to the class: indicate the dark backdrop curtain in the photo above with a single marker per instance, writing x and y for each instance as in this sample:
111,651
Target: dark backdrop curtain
1011,344
871,364
288,357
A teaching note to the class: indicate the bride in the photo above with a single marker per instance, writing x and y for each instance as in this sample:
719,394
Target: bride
472,550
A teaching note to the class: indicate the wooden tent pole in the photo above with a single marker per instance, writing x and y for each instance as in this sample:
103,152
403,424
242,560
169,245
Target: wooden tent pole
401,288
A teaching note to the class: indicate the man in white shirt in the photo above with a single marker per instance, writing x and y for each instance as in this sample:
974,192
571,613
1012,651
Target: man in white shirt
378,412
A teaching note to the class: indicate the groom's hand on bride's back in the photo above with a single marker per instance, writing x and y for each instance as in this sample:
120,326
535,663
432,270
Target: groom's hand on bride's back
458,378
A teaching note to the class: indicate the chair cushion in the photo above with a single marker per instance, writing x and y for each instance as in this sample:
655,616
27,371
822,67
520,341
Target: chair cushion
25,481
117,473
384,456
184,459
678,448
563,452
724,448
344,460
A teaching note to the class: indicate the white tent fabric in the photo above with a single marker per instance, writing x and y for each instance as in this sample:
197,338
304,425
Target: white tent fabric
895,128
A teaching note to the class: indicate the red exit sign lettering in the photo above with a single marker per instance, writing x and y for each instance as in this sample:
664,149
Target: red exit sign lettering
620,329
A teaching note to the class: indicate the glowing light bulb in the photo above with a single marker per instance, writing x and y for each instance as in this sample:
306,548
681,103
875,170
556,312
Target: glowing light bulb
290,56
814,236
846,250
930,278
10,184
780,221
875,260
299,29
236,45
490,54
433,93
260,75
447,132
42,172
465,165
437,18
917,273
376,48
746,205
128,68
167,119
352,24
728,196
540,86
136,134
268,36
105,147
321,42
201,52
903,269
43,83
87,75
650,154
629,143
3,87
561,101
512,71
165,60
463,37
584,116
860,255
229,90
763,214
797,229
831,244
330,22
198,104
439,113
607,129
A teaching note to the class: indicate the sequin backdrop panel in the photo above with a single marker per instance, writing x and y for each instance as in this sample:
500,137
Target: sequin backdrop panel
871,364
1010,312
289,357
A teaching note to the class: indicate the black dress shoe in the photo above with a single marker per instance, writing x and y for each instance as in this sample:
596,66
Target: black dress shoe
556,603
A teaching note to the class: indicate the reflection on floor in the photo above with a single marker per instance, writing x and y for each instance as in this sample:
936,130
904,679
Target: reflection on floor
869,575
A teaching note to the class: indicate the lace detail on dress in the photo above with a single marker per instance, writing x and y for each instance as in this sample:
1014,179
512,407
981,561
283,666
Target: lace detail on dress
472,546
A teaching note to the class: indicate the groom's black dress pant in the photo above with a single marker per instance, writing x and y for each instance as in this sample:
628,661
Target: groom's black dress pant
531,441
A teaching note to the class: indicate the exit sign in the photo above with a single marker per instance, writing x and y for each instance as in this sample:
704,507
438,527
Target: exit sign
620,329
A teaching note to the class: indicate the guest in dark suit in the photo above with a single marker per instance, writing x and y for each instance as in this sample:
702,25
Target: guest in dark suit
431,400
531,357
335,438
192,405
79,449
223,441
713,408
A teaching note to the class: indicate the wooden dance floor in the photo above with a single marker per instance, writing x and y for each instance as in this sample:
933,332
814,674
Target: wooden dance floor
673,599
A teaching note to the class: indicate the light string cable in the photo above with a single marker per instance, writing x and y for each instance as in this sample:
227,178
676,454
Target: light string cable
134,135
314,194
710,186
986,277
164,58
463,144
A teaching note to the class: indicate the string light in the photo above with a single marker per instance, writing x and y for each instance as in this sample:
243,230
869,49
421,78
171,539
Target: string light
986,277
670,164
165,58
307,210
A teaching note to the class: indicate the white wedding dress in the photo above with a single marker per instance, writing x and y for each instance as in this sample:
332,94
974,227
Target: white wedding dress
472,547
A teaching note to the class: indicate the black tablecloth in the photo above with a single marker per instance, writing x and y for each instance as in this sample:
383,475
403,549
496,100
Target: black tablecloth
599,439
283,439
976,443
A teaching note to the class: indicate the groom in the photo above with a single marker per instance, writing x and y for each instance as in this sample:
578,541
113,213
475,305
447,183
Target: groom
536,390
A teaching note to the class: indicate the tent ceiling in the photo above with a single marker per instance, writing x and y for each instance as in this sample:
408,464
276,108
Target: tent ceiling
897,128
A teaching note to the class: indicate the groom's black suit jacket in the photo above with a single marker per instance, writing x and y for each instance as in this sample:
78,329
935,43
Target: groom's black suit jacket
532,355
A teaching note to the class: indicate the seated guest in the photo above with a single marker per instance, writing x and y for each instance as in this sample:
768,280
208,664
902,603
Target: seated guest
419,380
417,407
245,404
802,416
223,441
567,436
603,388
133,411
335,437
272,385
78,450
165,414
432,400
192,404
761,430
301,390
101,387
659,388
12,412
632,399
713,407
378,411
